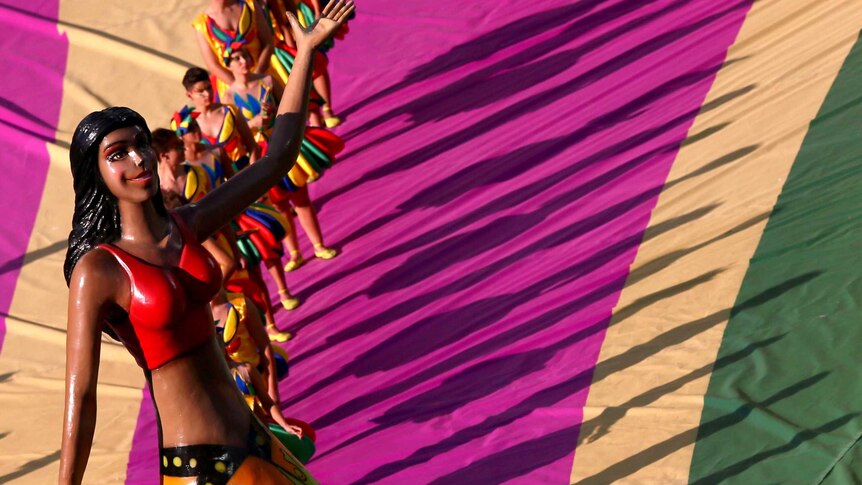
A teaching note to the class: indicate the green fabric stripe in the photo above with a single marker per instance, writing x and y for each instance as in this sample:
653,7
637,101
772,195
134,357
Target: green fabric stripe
285,58
789,413
310,157
310,150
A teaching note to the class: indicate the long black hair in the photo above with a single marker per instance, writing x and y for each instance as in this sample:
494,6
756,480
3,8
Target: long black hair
96,219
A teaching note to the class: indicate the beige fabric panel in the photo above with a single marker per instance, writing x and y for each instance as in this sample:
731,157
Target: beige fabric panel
120,53
640,422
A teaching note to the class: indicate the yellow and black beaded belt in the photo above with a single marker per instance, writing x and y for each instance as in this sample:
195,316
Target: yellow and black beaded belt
214,464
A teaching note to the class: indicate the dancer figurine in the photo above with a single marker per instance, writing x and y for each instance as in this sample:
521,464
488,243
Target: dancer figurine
139,273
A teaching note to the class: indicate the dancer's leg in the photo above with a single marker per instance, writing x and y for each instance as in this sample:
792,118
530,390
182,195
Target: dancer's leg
290,238
308,220
288,301
322,85
255,275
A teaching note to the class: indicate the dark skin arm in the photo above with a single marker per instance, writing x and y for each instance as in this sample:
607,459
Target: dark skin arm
92,292
228,200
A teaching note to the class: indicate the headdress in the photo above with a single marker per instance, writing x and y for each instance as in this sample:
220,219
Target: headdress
182,120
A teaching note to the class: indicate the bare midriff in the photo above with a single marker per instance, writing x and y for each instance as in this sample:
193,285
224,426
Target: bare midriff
198,402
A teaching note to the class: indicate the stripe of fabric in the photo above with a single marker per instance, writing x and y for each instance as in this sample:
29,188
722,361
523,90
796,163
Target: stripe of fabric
788,410
33,56
495,187
105,63
645,403
31,48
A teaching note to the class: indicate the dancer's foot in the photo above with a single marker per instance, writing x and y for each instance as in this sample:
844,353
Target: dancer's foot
288,301
276,335
296,260
329,118
324,252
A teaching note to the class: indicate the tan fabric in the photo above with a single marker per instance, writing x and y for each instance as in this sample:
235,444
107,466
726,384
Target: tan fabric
721,190
120,53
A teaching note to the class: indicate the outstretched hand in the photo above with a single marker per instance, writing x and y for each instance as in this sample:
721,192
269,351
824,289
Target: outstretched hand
332,17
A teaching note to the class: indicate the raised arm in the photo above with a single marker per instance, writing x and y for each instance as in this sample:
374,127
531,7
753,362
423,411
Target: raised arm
229,199
277,91
278,9
91,290
210,60
271,407
265,37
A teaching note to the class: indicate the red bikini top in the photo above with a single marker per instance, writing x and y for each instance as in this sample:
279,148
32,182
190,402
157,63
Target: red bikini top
169,313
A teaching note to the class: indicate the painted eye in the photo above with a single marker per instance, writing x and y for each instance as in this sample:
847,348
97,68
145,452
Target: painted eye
117,155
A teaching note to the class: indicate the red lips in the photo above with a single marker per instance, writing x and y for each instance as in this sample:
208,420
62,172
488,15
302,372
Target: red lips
143,177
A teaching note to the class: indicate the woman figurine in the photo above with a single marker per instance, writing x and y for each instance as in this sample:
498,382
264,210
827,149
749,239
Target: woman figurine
197,153
253,94
284,52
223,126
138,272
249,343
227,25
183,183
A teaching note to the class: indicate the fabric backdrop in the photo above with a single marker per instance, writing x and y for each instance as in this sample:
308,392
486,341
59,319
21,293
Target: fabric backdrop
583,242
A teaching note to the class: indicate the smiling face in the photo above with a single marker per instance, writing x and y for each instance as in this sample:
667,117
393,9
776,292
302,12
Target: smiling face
127,165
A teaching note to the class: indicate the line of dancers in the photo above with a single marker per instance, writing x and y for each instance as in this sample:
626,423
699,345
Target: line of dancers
171,228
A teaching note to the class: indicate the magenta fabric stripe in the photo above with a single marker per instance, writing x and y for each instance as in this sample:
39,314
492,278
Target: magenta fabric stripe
33,56
503,160
143,466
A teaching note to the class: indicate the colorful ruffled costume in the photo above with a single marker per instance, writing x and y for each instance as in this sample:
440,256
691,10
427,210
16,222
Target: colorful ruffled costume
229,138
261,227
302,448
306,17
182,122
223,42
316,153
286,55
238,341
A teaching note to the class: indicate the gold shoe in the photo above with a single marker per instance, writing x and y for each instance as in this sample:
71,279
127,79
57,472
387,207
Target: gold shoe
329,118
323,252
288,301
277,335
296,260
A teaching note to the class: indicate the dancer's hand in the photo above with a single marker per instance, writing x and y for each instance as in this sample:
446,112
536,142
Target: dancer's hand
267,113
332,17
296,430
